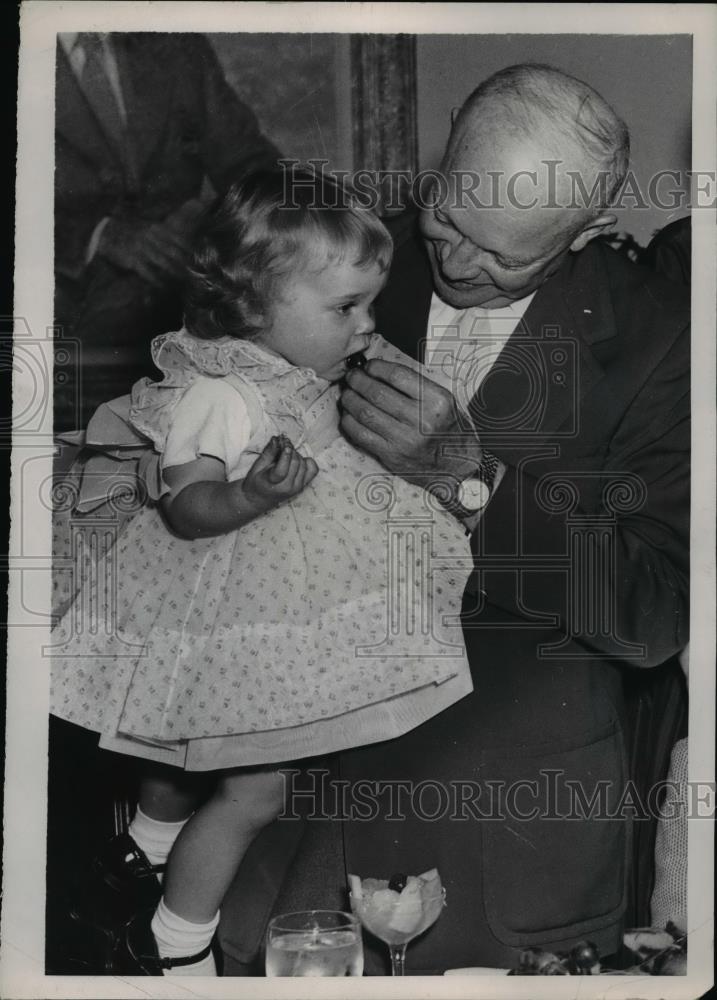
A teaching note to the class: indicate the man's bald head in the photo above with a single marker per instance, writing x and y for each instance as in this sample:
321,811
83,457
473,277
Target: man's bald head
559,116
550,154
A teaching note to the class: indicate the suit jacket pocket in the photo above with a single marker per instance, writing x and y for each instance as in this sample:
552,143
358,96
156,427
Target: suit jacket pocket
555,852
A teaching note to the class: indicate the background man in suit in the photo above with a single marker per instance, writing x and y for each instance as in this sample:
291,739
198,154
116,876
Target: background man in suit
146,128
563,446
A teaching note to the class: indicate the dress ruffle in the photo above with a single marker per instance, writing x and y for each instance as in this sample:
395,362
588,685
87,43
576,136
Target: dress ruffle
133,429
181,358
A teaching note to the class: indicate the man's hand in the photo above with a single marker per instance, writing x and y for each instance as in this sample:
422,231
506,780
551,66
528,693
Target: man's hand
409,423
155,251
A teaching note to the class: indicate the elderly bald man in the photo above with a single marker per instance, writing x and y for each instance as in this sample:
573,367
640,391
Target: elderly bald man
554,421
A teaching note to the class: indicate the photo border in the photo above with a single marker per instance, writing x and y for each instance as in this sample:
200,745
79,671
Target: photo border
22,954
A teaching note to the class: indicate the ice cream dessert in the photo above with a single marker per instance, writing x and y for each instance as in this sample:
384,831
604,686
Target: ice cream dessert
397,910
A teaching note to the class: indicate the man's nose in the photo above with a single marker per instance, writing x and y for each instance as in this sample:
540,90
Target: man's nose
459,261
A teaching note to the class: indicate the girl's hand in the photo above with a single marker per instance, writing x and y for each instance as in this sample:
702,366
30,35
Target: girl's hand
278,474
203,504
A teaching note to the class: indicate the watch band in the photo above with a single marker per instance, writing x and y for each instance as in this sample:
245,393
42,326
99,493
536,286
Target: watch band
488,469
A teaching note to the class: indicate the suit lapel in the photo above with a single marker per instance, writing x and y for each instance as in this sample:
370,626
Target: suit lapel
75,120
548,367
147,88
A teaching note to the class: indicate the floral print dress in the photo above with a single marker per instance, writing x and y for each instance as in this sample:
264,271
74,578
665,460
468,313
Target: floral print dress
329,622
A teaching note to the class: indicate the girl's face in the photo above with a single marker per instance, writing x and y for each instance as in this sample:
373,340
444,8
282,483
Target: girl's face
321,317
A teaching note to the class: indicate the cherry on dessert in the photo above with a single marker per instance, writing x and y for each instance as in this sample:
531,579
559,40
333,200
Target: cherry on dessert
585,959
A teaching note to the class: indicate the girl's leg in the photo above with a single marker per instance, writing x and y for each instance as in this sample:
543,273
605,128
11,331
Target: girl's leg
167,798
204,860
169,794
213,842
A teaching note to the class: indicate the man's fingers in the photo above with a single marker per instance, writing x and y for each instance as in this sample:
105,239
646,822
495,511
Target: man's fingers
362,437
383,396
152,268
400,377
153,251
386,426
162,249
152,275
160,235
164,258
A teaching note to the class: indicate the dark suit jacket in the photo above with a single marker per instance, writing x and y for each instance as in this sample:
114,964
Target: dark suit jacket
185,124
589,407
670,251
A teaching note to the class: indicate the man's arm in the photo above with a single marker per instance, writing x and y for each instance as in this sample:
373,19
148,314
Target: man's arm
410,425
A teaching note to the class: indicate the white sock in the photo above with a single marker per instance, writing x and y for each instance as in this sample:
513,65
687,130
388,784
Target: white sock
155,837
177,937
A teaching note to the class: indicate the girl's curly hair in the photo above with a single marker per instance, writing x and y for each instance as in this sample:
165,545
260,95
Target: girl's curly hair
268,226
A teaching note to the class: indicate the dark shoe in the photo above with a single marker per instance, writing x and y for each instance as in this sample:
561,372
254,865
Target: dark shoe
119,882
137,953
90,945
123,866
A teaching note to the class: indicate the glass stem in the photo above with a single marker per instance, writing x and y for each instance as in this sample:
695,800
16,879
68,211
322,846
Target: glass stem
398,959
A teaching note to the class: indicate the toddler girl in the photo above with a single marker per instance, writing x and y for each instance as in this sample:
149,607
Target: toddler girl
269,604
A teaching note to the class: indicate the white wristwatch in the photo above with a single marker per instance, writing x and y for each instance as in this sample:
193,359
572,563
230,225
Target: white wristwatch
473,493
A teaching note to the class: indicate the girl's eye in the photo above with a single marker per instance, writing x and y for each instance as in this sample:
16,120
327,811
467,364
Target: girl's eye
345,308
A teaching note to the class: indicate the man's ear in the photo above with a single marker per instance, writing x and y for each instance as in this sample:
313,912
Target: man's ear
594,227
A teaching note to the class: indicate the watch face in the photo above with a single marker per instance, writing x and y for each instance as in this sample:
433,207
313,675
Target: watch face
473,494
